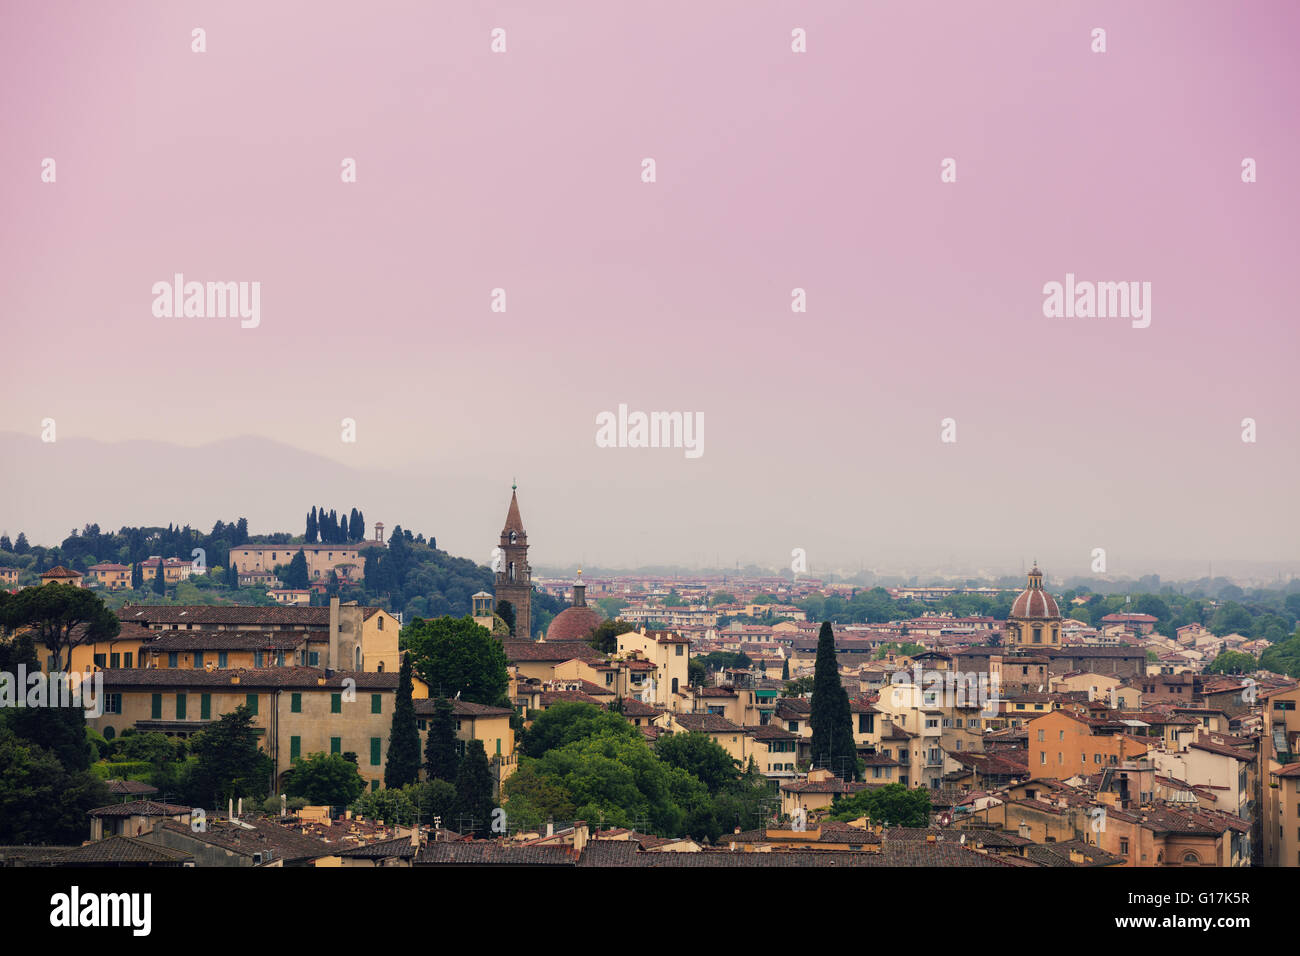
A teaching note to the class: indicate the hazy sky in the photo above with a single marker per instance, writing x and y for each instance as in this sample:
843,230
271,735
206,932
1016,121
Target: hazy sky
775,170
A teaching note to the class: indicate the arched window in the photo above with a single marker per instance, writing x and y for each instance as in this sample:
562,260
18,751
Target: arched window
674,685
358,657
380,668
512,571
513,537
1191,857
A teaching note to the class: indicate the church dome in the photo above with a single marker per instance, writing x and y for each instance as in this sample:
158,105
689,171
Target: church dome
1035,604
573,624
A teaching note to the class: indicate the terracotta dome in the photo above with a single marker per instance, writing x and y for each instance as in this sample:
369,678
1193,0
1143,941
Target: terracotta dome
573,624
1034,603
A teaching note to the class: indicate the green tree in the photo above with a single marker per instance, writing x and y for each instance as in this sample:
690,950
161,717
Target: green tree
41,801
324,780
799,686
440,757
506,610
892,805
833,746
700,755
403,764
61,616
229,764
1231,662
137,576
455,655
604,637
295,576
474,803
567,721
160,580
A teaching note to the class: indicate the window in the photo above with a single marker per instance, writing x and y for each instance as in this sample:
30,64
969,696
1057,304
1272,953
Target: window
172,659
116,660
336,745
205,707
679,650
223,659
1040,735
198,659
251,700
1123,846
128,660
155,709
180,706
112,704
336,703
295,703
313,658
257,658
295,748
376,703
374,751
381,622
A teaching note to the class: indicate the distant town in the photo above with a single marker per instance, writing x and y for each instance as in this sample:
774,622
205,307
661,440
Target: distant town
355,697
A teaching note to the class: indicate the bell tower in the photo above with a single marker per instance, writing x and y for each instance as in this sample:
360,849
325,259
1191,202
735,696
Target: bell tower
514,576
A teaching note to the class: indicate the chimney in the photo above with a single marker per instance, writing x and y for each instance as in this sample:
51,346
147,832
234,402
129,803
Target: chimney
415,837
579,837
332,659
550,828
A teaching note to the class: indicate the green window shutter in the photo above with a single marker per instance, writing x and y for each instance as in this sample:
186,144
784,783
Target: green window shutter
375,743
374,785
295,704
198,660
252,704
336,745
180,706
295,748
336,703
205,707
222,659
172,659
156,711
376,703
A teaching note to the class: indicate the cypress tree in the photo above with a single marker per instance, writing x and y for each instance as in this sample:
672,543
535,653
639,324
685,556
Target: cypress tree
785,669
833,746
159,580
137,576
474,803
403,765
20,545
311,526
296,576
440,760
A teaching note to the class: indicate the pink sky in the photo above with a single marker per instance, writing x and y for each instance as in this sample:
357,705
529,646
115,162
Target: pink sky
775,170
